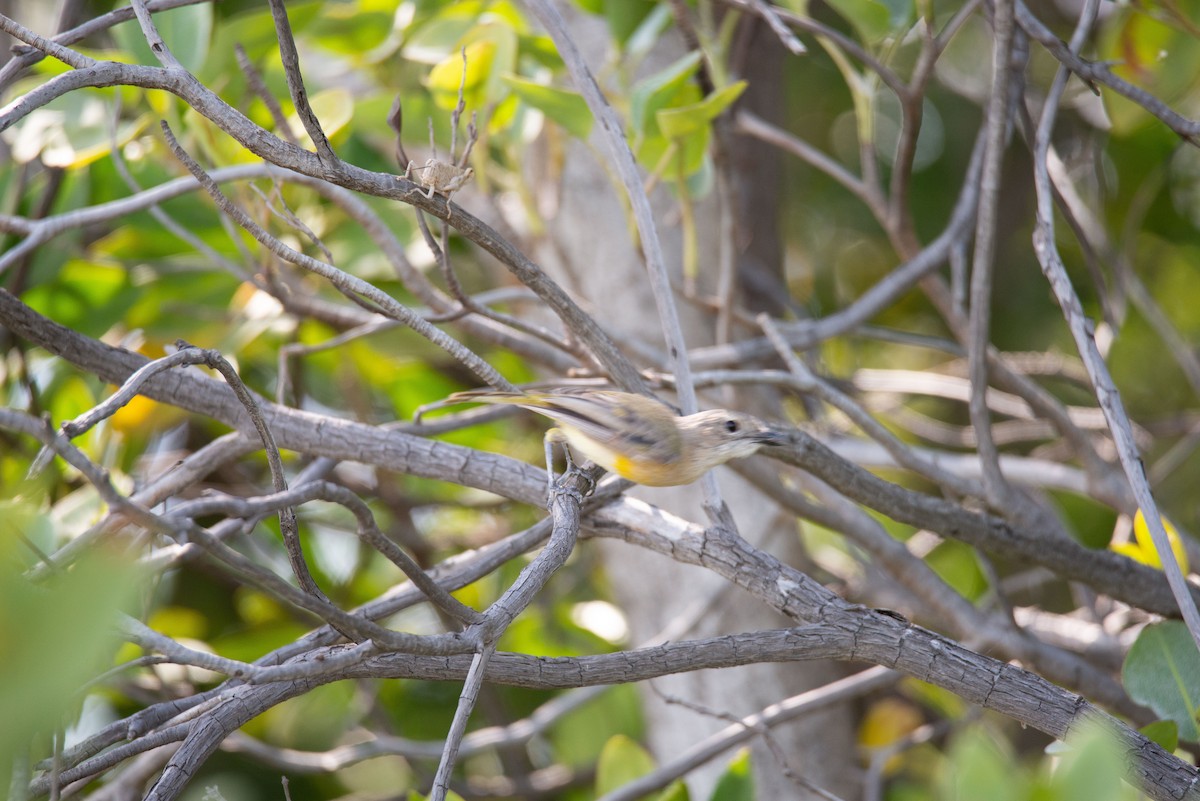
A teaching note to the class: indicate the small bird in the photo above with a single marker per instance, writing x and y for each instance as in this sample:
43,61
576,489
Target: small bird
638,438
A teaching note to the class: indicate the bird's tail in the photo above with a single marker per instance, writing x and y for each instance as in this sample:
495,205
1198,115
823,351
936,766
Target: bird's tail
487,396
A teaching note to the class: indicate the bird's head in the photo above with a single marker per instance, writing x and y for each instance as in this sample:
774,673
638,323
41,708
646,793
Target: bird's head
719,435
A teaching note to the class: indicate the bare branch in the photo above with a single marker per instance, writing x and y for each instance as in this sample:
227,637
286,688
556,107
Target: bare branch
295,81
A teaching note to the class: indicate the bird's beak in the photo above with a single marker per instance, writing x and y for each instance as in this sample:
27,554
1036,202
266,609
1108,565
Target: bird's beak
772,436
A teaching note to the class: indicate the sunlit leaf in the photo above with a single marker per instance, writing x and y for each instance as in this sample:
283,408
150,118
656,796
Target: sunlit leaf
1143,550
491,52
334,108
72,131
144,415
452,72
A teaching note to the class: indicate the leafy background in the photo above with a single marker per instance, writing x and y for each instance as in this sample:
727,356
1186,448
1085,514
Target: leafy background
129,282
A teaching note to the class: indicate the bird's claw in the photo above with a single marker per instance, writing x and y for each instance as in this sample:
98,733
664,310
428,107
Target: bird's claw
561,485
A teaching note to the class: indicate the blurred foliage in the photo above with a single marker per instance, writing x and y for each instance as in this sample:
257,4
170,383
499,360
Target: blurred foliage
57,636
1088,767
132,283
1162,672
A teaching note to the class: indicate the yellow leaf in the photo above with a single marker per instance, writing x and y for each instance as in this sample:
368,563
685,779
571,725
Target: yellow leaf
1134,551
136,415
1141,532
886,722
447,75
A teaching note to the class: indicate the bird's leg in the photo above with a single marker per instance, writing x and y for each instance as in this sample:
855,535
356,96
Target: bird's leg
556,436
553,436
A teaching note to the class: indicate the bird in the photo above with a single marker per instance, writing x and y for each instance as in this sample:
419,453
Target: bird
637,437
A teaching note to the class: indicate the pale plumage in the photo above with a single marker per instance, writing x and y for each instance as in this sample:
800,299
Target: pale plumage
639,438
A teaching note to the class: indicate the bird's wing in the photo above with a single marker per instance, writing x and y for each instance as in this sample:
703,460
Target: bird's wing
601,416
598,414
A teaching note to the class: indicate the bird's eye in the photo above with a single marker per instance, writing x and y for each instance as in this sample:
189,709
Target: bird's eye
731,426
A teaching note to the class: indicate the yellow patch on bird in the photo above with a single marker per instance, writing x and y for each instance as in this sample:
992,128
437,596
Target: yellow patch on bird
650,473
624,467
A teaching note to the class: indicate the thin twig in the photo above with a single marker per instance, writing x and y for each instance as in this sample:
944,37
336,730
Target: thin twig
797,706
623,162
290,59
999,494
458,728
769,13
157,46
823,390
264,144
367,529
256,84
351,286
1099,73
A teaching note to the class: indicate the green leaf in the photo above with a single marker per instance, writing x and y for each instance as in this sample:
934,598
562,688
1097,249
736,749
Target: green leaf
1162,671
677,158
958,566
737,782
676,791
649,33
541,50
659,90
87,296
568,109
580,738
185,30
290,723
621,761
431,42
901,13
466,68
872,19
1163,732
254,30
624,17
682,120
351,30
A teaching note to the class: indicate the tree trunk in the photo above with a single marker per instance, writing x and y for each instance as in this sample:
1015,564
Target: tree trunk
593,251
